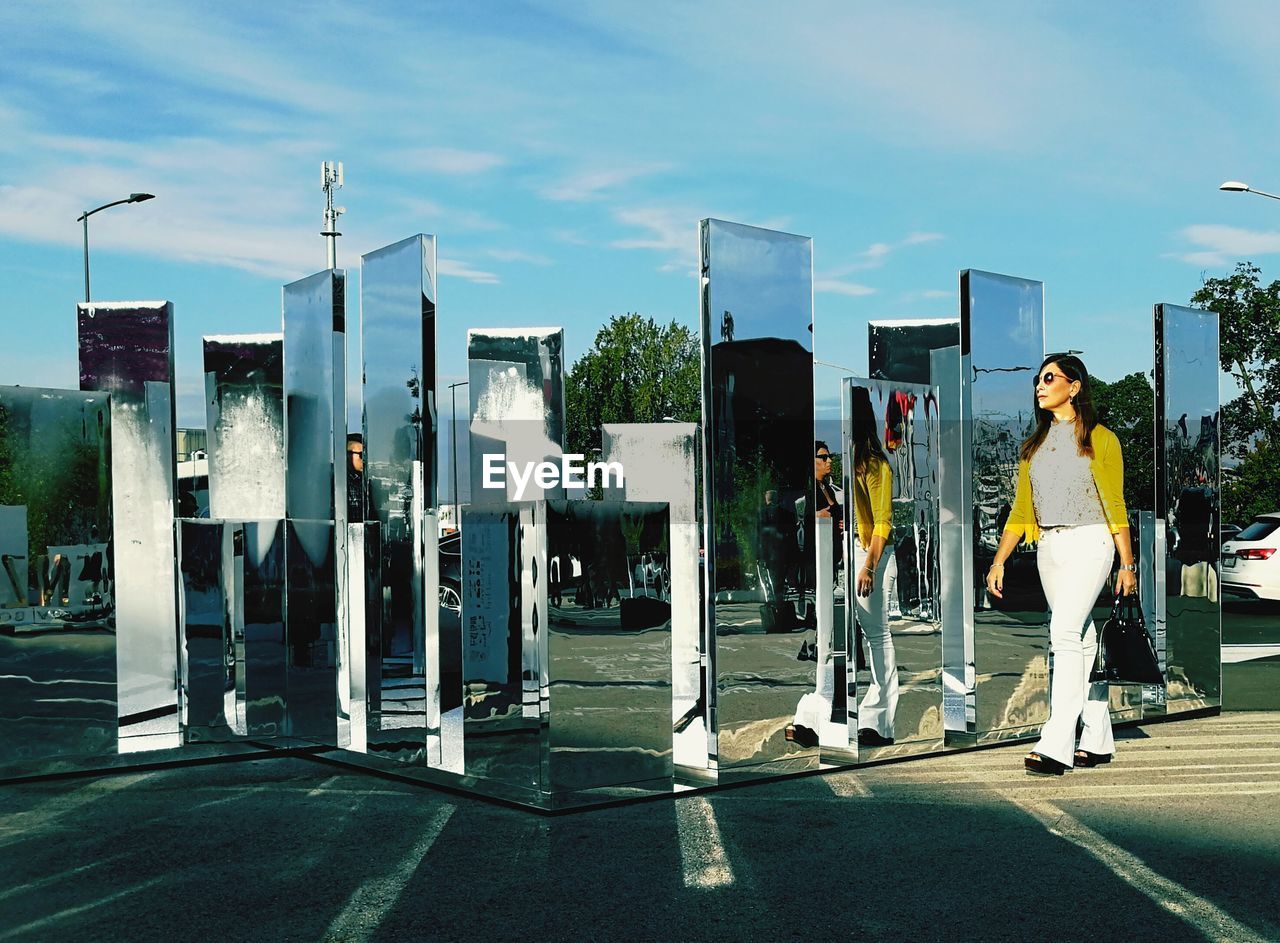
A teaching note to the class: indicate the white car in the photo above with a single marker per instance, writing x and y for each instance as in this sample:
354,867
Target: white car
1251,560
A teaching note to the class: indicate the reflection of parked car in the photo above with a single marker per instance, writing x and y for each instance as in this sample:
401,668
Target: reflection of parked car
1250,561
1227,532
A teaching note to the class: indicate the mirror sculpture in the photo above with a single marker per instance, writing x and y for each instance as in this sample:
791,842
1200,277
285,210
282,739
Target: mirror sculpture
660,462
315,501
1188,450
563,589
244,412
758,408
126,349
396,488
58,638
901,350
1001,345
895,632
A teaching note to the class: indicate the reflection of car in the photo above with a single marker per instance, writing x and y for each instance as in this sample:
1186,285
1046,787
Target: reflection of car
1251,561
1227,532
451,572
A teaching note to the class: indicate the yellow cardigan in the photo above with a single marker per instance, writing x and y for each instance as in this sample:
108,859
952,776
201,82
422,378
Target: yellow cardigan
873,501
1107,466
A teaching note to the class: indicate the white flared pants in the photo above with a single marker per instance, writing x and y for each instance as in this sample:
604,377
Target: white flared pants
879,705
1074,564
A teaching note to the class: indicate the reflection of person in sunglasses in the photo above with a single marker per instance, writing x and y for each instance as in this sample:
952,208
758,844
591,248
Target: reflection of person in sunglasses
1070,497
875,567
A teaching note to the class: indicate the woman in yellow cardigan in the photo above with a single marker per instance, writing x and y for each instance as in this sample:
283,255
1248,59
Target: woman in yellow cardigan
875,569
1070,498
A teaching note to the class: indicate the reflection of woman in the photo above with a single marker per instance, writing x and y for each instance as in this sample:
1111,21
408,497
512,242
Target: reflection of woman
1070,497
875,567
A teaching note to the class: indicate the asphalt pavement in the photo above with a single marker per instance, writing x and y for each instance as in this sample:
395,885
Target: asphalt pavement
1178,839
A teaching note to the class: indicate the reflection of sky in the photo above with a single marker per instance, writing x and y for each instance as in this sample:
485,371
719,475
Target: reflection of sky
1190,363
765,279
1006,331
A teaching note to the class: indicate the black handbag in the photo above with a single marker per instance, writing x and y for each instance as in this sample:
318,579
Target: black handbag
1126,654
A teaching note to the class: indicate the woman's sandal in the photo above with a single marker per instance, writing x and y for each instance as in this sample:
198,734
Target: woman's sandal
1038,765
1087,759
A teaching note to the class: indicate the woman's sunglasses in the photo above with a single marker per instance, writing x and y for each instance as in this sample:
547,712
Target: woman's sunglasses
1047,377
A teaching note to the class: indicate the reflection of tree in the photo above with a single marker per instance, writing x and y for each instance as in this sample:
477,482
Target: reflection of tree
57,470
996,441
1127,408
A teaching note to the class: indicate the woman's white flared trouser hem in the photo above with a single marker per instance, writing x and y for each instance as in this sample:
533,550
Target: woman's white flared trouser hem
879,704
1075,563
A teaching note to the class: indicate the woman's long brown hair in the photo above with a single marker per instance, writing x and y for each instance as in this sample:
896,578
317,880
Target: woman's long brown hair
1072,367
865,441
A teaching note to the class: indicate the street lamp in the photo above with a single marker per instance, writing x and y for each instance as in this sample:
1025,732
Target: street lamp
133,198
1235,186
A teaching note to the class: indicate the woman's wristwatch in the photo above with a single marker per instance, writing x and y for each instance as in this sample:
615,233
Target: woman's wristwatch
1131,567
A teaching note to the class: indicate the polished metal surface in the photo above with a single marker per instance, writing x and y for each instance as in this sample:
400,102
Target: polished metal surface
1188,462
314,319
758,408
909,429
900,350
517,406
212,650
959,707
398,330
660,462
126,349
607,648
58,691
265,648
1001,345
244,412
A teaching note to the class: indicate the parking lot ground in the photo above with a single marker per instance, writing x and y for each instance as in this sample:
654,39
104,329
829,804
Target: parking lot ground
1178,839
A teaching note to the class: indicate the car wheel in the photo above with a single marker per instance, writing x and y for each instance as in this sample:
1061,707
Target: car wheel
450,596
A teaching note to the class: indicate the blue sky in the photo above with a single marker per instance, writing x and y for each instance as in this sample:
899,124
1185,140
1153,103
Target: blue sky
563,154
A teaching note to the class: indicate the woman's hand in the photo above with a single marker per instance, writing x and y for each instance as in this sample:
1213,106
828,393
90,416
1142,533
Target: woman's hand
995,580
866,581
1126,582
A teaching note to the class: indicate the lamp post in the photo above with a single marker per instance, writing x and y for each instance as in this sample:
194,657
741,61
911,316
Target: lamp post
1235,186
453,447
84,218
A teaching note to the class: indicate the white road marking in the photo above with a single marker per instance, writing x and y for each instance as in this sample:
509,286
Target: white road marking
702,852
44,922
324,785
56,878
1213,923
372,901
847,786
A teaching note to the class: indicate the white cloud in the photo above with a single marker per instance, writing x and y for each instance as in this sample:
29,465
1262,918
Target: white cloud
517,255
586,185
451,160
665,230
835,286
1218,245
874,255
460,269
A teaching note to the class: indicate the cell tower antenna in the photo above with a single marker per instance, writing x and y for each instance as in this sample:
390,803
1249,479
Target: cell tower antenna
331,180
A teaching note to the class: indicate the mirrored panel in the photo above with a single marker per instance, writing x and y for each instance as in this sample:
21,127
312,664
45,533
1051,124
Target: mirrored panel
1001,346
756,313
126,349
901,350
315,501
244,410
396,485
659,460
608,647
501,545
890,458
212,648
1188,450
58,693
262,657
517,411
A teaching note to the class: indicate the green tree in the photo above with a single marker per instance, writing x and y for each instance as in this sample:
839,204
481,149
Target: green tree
1249,339
637,371
1127,408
